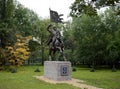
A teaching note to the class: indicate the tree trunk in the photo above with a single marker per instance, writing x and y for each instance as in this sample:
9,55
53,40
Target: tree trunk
42,55
3,9
3,62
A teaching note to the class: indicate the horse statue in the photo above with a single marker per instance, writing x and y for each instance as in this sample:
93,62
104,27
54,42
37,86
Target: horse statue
55,43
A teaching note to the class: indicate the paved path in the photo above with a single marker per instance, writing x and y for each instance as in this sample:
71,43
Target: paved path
74,82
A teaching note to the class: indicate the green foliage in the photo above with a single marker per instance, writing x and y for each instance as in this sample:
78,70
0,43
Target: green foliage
33,45
89,7
7,37
89,37
25,20
97,39
69,42
38,45
103,3
7,10
16,19
68,37
114,43
80,7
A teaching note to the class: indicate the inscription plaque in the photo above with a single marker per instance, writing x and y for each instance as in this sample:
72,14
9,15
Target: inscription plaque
64,70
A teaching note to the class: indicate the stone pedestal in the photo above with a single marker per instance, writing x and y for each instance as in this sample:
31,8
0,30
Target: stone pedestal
57,70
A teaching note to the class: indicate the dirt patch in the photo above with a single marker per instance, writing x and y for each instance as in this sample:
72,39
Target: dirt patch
74,82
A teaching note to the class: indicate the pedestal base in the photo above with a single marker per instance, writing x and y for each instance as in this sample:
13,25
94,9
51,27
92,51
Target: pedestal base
57,70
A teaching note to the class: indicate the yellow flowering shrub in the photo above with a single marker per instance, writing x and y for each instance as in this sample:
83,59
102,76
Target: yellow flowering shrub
18,53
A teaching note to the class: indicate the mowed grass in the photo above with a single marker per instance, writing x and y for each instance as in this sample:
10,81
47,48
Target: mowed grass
103,78
24,79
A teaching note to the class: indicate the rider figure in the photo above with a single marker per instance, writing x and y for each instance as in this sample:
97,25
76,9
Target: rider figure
54,34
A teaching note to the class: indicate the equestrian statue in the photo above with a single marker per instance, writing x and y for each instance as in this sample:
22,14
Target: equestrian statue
54,42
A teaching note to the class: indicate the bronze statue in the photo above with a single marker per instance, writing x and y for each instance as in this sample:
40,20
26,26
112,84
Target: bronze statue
55,43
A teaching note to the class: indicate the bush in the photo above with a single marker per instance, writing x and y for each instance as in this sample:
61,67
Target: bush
114,70
37,70
74,69
13,70
92,70
1,68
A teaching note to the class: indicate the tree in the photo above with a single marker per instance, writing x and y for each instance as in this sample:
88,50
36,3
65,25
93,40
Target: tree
15,19
7,36
69,41
41,36
104,3
34,47
25,20
97,39
89,7
80,7
114,50
7,10
113,38
89,35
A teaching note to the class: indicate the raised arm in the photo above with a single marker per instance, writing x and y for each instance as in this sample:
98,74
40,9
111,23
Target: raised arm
48,28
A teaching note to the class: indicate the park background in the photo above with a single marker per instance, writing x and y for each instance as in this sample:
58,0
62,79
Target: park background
91,40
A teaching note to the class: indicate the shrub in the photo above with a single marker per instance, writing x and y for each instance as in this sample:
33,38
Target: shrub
37,70
92,70
14,70
74,69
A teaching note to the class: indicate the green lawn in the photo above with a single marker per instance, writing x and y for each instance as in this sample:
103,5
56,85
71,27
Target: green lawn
24,79
101,78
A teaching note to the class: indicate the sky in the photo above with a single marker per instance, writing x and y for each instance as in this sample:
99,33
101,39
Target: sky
41,7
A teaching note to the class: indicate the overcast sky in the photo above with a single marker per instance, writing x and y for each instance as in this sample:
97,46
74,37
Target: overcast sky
41,7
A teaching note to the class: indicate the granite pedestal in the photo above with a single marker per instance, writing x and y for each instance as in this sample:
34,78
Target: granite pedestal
57,70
